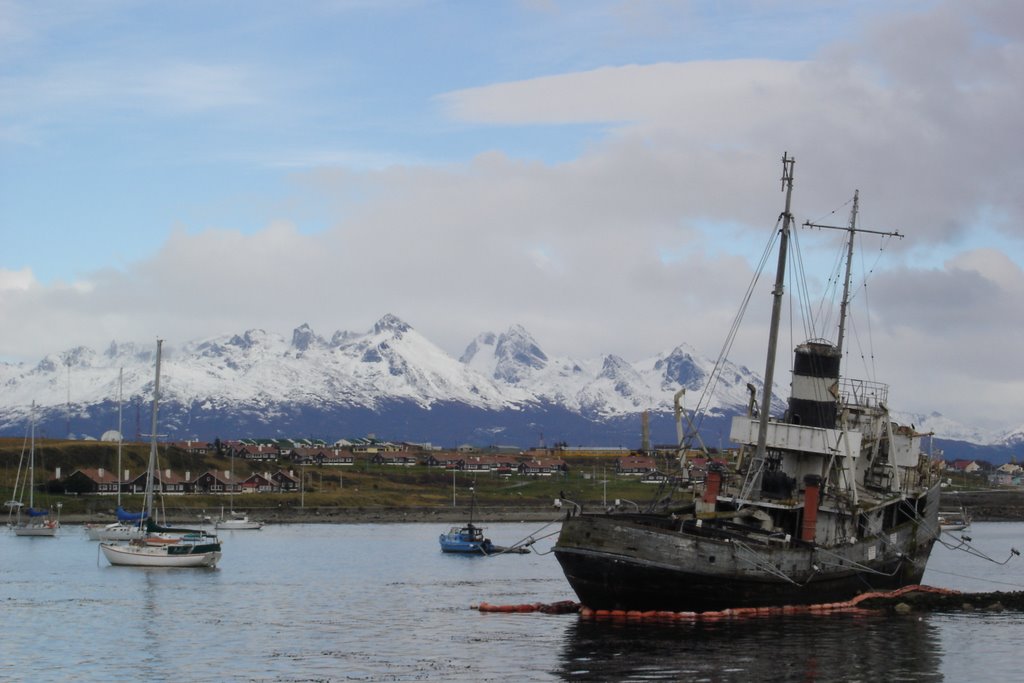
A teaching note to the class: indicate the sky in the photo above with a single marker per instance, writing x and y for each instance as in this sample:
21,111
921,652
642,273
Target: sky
604,173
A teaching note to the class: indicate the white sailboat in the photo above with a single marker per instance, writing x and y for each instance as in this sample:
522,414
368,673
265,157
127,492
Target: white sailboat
35,522
128,525
236,521
162,546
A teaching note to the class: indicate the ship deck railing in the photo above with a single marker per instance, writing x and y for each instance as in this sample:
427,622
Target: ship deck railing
862,392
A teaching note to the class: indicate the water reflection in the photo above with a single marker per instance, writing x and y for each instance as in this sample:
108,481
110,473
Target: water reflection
833,648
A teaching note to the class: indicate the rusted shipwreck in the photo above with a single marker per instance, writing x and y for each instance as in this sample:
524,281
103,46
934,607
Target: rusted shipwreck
833,499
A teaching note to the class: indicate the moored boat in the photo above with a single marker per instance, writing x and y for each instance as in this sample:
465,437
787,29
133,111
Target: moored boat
162,546
466,539
954,520
830,499
115,531
129,524
31,521
469,539
237,521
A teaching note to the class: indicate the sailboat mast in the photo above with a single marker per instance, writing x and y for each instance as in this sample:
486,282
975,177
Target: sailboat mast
151,473
32,460
773,334
120,437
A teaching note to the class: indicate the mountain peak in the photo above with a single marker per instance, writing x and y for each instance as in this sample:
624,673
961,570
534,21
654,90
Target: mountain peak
517,355
248,339
391,323
483,340
680,367
304,337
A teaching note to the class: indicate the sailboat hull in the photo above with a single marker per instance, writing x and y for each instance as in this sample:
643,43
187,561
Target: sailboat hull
237,521
170,555
114,532
37,530
641,563
238,525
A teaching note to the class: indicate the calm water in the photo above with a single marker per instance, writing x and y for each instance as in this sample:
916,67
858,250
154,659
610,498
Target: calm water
382,603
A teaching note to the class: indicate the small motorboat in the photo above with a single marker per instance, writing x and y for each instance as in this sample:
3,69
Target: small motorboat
466,539
469,539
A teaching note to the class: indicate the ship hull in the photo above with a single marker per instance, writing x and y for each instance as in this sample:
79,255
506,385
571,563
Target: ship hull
630,564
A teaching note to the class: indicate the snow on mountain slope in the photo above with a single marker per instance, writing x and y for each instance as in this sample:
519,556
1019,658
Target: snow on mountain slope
267,375
609,386
390,362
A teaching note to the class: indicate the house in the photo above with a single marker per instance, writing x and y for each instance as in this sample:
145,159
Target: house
499,464
191,447
371,445
215,482
1004,479
259,483
257,452
398,459
449,461
965,466
307,455
635,465
543,467
1008,474
478,463
339,457
284,481
164,481
92,480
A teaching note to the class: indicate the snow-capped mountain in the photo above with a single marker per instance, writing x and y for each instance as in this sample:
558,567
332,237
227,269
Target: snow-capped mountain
389,379
605,387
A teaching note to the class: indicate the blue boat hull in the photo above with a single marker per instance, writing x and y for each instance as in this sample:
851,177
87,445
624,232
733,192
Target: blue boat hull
467,540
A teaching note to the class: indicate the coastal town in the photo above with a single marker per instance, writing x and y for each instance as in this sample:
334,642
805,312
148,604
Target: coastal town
276,465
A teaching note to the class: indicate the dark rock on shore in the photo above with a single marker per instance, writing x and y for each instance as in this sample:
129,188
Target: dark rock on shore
998,505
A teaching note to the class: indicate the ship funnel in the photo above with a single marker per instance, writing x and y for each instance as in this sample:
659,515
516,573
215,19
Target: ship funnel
812,493
814,400
708,502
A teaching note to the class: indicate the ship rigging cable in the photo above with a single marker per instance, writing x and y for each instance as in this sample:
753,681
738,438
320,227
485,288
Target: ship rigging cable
716,372
964,545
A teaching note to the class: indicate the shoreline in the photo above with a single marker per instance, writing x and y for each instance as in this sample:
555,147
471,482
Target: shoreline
983,506
333,515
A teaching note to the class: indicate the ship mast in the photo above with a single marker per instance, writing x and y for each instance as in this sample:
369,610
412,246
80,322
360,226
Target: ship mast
773,335
846,282
852,229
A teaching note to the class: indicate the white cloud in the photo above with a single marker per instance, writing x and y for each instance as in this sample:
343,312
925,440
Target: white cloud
16,280
688,166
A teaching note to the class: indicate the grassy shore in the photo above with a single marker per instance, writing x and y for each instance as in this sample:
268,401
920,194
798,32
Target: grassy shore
373,493
364,492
